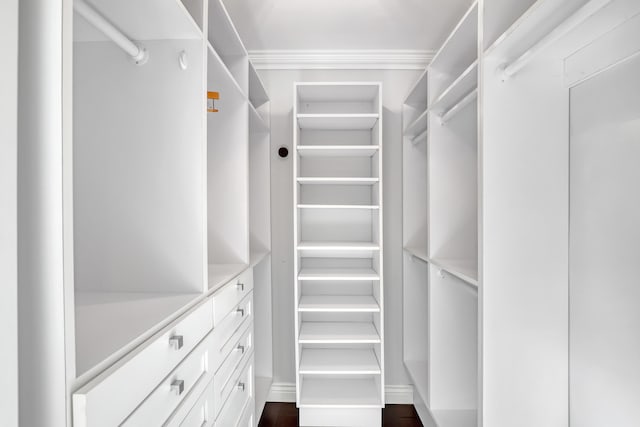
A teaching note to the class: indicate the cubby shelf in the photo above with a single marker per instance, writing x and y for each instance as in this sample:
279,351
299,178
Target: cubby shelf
338,333
337,181
338,274
367,207
337,150
339,303
339,361
345,393
337,121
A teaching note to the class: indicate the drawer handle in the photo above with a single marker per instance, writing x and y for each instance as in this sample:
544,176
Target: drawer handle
240,286
177,386
240,348
241,386
176,341
240,311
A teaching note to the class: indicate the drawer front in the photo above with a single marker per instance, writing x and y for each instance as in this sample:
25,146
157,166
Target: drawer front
248,417
201,415
231,294
172,390
112,396
225,378
241,395
228,331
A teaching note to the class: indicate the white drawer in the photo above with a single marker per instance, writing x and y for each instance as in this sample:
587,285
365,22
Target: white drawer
226,376
248,417
227,332
160,404
112,396
241,395
201,414
225,299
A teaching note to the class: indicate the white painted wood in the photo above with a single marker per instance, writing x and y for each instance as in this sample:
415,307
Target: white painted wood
198,414
338,181
367,207
337,121
338,303
320,392
107,323
418,126
9,211
337,150
229,332
604,236
465,269
336,361
263,328
101,402
463,85
242,394
231,294
257,92
340,417
337,274
263,387
455,418
171,21
220,274
338,333
257,124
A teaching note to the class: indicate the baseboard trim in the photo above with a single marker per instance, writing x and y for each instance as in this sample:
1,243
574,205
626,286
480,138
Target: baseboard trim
393,394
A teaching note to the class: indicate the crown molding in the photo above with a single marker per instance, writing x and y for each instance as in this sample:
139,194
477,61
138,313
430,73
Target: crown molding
393,394
340,59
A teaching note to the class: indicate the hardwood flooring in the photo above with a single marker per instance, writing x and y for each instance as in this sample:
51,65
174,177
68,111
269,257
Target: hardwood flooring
278,414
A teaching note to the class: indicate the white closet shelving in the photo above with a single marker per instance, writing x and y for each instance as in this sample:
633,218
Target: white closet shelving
338,261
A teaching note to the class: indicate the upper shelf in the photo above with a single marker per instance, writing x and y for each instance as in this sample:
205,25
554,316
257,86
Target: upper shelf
171,20
257,93
337,92
464,269
337,121
257,124
456,91
417,97
337,150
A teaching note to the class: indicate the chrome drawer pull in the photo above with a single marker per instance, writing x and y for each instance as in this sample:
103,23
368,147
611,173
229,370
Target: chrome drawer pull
240,348
176,341
240,311
240,286
241,386
177,386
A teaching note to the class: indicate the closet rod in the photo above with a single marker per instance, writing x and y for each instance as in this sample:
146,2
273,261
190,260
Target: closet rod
419,137
468,99
563,28
138,53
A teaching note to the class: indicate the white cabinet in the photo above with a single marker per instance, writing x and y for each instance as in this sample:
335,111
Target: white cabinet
338,253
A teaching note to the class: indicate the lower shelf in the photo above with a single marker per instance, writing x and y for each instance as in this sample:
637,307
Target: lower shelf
342,393
337,361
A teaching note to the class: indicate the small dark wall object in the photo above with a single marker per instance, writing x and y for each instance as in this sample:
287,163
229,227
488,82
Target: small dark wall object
283,152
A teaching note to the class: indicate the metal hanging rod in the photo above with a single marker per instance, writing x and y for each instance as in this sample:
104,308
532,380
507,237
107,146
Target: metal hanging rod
137,52
566,26
468,99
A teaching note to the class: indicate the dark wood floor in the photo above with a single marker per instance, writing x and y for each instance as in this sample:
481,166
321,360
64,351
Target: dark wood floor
286,415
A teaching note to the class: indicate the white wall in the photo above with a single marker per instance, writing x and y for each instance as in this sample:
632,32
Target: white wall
8,212
279,83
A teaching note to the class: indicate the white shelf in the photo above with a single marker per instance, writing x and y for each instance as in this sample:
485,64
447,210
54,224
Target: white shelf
337,150
338,274
338,304
108,323
420,253
257,93
419,373
367,207
338,249
418,126
337,361
171,21
464,269
217,62
455,418
342,393
338,333
462,86
257,124
338,181
220,274
337,121
337,92
460,47
417,96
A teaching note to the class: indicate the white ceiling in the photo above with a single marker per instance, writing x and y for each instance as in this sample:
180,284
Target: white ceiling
345,24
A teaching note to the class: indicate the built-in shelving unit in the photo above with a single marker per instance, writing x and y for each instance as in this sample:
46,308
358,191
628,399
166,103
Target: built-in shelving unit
440,182
338,259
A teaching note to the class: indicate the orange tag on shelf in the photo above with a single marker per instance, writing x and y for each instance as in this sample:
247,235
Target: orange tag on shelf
210,105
